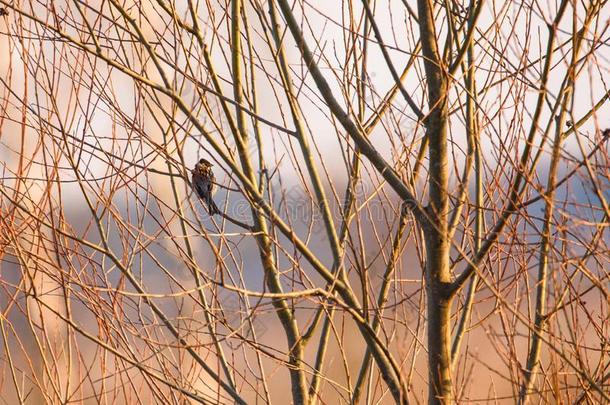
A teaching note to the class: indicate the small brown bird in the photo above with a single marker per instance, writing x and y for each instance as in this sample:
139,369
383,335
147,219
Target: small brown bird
204,184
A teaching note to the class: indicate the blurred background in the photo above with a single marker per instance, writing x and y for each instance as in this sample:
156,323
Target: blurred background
116,285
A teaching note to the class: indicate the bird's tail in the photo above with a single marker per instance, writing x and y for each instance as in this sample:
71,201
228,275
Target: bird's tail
212,207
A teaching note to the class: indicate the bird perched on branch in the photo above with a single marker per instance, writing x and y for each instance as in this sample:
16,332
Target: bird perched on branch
204,184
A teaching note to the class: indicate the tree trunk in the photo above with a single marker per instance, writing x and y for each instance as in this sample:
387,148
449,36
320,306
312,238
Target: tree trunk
436,225
439,319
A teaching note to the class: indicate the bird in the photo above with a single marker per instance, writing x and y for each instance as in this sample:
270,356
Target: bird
204,184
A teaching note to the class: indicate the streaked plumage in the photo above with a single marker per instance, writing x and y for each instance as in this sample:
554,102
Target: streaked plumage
204,184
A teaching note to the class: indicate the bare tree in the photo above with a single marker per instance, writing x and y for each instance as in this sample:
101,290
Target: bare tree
413,202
